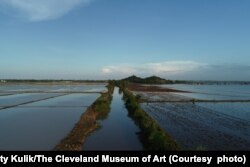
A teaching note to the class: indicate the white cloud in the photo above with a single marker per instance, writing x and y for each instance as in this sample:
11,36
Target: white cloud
161,68
122,69
173,66
39,10
106,70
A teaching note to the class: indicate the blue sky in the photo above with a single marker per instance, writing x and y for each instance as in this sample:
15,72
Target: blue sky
112,39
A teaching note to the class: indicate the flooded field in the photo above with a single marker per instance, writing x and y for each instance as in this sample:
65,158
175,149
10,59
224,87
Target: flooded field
197,117
38,121
238,110
214,92
18,99
23,88
117,132
203,125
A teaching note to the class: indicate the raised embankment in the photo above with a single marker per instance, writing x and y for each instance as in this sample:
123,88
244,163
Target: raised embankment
87,123
152,136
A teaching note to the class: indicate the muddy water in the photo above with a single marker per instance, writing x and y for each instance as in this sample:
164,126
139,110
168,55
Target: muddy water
118,131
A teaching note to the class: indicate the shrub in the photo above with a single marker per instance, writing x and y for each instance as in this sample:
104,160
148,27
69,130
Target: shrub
152,135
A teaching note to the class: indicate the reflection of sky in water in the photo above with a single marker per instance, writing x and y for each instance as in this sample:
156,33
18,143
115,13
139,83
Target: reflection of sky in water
192,125
239,110
68,100
221,125
118,131
40,125
36,128
214,92
74,88
23,98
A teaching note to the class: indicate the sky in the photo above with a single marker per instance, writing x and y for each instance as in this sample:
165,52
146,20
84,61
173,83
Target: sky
112,39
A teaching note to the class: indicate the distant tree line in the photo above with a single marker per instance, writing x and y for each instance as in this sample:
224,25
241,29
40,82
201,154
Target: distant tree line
158,80
133,79
51,80
148,80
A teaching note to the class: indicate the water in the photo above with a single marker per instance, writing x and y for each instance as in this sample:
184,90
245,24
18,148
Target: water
118,131
239,110
214,92
17,99
36,128
193,126
221,92
55,88
84,100
210,125
40,125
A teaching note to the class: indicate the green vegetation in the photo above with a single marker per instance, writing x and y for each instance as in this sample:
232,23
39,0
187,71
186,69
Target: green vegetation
131,79
149,80
88,122
158,80
152,135
102,104
201,148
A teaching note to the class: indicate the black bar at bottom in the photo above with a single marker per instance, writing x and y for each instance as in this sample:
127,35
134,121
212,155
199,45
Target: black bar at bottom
133,158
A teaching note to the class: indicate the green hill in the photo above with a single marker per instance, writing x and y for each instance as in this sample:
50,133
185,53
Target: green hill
148,80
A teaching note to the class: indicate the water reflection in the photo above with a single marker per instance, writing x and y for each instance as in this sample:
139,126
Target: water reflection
36,128
40,125
118,131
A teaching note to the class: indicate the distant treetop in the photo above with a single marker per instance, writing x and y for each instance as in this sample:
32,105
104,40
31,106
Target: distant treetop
148,80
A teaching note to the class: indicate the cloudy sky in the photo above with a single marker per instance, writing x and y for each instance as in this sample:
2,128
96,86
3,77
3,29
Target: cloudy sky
112,39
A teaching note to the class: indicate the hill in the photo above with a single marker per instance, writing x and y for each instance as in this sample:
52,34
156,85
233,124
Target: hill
148,80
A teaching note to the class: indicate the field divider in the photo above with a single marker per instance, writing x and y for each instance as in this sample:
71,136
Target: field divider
29,102
193,101
152,136
88,122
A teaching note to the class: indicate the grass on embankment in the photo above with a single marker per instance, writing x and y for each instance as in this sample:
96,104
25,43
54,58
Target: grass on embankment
152,136
88,122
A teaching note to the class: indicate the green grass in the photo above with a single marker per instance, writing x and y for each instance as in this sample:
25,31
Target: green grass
87,123
152,135
201,148
102,106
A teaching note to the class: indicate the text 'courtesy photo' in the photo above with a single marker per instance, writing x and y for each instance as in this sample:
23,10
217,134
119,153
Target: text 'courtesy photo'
142,81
